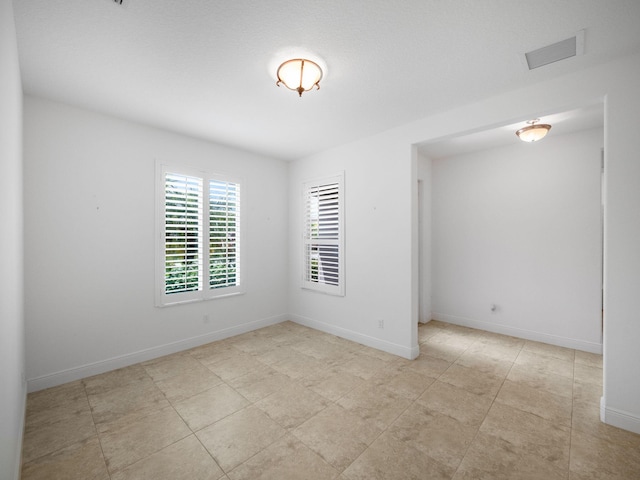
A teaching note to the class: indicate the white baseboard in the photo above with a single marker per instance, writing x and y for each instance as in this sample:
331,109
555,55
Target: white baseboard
619,418
389,347
521,333
88,370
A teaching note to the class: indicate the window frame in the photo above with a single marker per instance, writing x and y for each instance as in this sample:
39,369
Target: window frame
307,186
204,292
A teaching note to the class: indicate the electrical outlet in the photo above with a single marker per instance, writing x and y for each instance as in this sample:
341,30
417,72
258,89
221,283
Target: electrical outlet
380,323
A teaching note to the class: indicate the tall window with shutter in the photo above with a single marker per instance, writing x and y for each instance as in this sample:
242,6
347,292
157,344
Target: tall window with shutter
323,256
198,229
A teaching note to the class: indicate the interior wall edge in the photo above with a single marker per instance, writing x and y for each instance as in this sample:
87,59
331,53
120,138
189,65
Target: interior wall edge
102,366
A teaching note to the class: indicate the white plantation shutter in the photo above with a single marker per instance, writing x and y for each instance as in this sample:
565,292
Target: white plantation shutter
199,237
224,233
183,233
323,235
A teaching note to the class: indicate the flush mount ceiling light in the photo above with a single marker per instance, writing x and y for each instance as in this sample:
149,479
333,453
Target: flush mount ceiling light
299,74
534,132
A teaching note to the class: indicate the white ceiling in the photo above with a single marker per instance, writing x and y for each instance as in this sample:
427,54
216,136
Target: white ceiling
206,68
583,118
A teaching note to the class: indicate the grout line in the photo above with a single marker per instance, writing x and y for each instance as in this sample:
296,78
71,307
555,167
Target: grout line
95,427
486,414
299,381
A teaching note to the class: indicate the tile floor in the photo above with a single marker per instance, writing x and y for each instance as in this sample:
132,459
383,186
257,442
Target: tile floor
288,402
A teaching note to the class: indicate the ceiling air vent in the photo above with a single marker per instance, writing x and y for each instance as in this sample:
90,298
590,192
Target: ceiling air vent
555,52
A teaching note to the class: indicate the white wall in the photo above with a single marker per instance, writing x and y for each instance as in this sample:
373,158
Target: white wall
377,246
520,227
89,244
616,83
425,238
12,386
385,163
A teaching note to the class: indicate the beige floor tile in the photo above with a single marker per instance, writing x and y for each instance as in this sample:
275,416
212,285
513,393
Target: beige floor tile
184,460
213,352
131,400
503,352
327,352
549,382
127,442
281,353
530,433
499,339
492,458
364,366
44,437
58,409
292,405
235,366
79,461
456,402
485,363
238,437
338,436
332,383
405,381
544,364
210,406
454,339
553,351
587,393
549,406
253,343
189,383
592,457
170,366
427,365
44,400
588,374
439,436
260,383
391,459
321,404
378,354
443,351
375,404
297,365
426,331
590,359
472,380
114,379
288,458
586,419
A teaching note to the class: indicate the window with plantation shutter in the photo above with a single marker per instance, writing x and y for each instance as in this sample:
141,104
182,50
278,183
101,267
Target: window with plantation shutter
198,236
323,256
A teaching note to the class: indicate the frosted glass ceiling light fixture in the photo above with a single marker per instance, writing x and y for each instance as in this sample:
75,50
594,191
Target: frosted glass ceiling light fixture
299,74
534,132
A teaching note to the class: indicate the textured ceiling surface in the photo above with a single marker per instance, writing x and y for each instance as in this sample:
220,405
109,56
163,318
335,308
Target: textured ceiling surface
206,68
